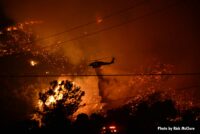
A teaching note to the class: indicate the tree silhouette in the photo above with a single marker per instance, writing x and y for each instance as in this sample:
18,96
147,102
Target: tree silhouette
60,101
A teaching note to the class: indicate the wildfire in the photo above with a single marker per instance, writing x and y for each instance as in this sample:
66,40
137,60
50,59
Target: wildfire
50,100
61,93
18,38
20,26
52,96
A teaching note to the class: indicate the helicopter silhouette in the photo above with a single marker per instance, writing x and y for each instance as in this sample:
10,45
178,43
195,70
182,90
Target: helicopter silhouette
98,64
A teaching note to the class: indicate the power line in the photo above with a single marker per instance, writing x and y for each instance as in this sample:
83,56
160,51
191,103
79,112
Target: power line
117,25
93,21
109,75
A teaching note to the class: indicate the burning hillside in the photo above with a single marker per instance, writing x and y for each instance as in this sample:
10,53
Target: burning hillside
17,38
20,56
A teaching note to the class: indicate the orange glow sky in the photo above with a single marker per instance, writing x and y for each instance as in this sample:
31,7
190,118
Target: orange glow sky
170,37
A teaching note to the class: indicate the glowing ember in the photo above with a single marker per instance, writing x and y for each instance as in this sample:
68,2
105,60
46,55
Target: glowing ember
22,25
33,63
99,20
19,38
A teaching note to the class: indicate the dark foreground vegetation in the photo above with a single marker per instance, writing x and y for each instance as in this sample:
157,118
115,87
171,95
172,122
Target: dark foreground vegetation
144,117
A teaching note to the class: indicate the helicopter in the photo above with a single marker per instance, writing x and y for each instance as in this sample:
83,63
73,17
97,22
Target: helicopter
98,64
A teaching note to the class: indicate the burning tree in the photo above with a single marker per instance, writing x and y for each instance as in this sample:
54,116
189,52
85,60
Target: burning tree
61,100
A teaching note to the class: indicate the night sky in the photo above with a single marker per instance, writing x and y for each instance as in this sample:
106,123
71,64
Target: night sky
144,36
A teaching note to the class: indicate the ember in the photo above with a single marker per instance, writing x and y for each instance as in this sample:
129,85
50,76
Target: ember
33,63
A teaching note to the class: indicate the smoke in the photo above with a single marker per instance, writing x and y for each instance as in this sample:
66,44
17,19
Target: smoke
170,38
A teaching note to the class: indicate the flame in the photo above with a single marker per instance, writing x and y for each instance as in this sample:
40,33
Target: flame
22,25
40,103
33,63
51,100
24,41
60,92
